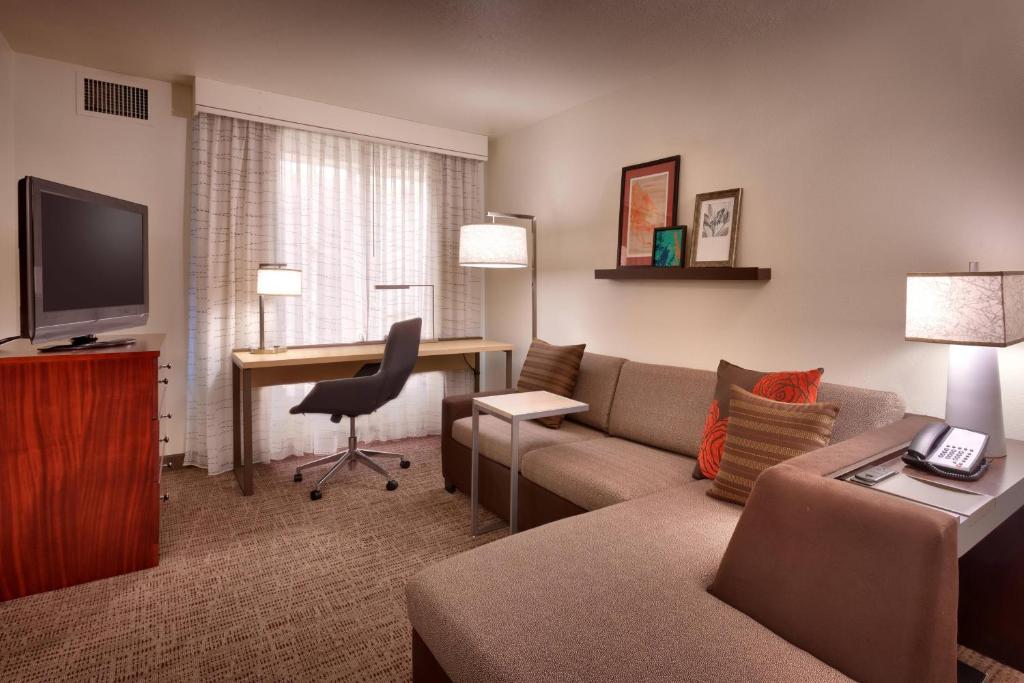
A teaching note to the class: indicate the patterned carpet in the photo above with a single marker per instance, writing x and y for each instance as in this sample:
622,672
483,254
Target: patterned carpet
270,587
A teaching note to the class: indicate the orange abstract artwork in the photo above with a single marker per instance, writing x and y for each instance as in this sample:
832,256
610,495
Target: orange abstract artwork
648,209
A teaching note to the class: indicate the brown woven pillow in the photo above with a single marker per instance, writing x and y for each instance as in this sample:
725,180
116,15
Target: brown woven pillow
762,433
551,368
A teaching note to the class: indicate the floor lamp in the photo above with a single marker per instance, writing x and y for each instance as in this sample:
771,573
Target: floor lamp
497,245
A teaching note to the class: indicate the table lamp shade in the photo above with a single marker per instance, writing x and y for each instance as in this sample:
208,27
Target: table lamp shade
492,245
273,280
973,308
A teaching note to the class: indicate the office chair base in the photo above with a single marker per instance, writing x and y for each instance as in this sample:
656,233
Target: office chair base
348,457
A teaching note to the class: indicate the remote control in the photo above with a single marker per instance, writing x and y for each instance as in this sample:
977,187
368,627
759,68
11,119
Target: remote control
873,475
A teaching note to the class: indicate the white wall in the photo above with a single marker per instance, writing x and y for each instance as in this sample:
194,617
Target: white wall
883,141
9,320
125,159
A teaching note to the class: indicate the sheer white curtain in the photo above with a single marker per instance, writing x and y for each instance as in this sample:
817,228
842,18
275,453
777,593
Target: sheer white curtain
351,215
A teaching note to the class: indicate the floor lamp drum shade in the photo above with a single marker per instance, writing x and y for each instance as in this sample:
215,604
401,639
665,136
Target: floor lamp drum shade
492,245
975,313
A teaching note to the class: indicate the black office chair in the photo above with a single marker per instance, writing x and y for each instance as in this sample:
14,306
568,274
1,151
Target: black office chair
372,387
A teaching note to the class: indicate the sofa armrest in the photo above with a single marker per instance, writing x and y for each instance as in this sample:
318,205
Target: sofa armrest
824,461
457,407
863,581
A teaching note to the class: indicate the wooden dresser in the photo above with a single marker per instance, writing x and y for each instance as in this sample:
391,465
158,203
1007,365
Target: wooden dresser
79,465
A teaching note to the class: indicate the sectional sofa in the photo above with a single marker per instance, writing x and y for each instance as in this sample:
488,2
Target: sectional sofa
635,574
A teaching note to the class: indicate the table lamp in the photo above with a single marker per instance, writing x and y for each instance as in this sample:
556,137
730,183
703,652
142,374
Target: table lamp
496,245
275,279
975,313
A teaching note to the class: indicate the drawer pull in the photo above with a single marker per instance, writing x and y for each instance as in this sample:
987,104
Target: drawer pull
163,381
165,366
165,439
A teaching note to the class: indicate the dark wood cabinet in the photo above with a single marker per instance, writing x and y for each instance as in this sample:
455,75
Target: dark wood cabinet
79,465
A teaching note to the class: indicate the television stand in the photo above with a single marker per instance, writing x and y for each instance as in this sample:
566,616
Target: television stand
88,341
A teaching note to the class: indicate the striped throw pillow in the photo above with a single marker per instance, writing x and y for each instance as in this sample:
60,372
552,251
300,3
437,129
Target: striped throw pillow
551,368
762,433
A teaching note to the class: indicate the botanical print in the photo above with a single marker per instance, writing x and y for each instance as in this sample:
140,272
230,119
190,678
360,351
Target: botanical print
648,209
668,247
716,220
715,229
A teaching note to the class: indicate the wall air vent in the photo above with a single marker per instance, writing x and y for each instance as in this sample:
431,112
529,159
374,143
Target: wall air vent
114,99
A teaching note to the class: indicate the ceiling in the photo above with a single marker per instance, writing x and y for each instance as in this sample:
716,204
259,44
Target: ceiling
484,66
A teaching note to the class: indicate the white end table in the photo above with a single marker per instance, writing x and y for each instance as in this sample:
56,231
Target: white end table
512,408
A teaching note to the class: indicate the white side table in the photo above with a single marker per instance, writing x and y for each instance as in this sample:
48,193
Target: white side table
512,408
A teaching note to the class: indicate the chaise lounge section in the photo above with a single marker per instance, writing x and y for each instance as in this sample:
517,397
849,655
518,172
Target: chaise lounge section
658,581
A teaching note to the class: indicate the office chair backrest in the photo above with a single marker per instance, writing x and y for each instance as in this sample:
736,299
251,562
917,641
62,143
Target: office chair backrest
400,353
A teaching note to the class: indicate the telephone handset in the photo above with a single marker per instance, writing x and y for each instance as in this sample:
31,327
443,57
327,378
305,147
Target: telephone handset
948,452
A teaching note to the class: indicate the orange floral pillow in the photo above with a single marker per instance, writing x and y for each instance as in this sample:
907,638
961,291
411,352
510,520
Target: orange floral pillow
788,387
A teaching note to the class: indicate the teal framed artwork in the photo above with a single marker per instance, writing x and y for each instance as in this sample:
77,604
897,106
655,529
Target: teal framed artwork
668,247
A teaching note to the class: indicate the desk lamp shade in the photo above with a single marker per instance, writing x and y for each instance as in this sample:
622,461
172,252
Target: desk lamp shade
975,313
276,280
492,245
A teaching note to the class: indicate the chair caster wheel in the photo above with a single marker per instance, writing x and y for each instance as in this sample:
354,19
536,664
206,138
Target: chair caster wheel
392,485
450,488
297,477
315,494
405,464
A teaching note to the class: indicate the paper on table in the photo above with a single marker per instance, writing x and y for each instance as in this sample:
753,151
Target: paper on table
960,502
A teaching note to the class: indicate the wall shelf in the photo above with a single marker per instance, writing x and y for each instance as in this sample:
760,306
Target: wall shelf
671,273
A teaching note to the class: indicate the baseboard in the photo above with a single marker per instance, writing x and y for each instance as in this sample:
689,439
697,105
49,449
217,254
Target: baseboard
173,461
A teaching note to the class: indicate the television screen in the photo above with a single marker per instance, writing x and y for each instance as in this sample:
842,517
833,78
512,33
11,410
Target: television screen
93,255
83,259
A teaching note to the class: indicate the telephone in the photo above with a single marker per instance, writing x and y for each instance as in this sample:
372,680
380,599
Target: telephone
948,452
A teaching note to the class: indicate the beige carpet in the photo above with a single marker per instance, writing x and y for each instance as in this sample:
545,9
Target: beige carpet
270,587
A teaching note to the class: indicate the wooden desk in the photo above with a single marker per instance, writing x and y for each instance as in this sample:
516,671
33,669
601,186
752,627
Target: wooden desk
314,363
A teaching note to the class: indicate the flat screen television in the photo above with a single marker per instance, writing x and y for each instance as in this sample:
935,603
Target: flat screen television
84,263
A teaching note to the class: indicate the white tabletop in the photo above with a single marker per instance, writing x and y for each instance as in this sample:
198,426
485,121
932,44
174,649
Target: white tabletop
529,405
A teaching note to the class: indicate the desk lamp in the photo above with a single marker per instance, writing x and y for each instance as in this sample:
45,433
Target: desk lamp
433,325
495,245
975,313
275,279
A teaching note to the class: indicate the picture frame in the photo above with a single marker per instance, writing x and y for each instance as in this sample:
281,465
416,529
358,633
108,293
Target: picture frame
669,247
716,226
648,199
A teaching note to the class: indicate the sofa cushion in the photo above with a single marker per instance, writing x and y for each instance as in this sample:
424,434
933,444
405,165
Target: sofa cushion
551,368
661,406
600,472
496,436
860,410
599,375
788,386
618,594
763,433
